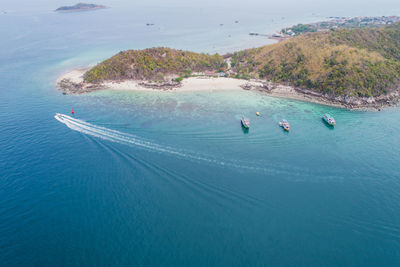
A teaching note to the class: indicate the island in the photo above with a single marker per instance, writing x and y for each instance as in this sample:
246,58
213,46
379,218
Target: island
80,7
355,68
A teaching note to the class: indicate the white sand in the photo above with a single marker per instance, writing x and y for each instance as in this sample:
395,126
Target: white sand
188,84
207,84
213,84
75,76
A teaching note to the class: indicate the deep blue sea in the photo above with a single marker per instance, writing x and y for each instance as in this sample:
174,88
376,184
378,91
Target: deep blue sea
171,179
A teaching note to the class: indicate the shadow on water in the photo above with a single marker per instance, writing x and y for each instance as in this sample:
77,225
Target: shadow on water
284,131
245,130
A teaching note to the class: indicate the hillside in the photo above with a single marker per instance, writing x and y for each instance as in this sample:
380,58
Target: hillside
346,62
158,64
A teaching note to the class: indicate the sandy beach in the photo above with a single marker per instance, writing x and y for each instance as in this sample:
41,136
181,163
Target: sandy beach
189,84
72,82
194,84
75,75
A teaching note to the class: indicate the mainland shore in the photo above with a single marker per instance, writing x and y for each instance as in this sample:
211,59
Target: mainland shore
72,82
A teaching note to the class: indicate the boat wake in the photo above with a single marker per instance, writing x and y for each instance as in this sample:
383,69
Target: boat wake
132,140
128,139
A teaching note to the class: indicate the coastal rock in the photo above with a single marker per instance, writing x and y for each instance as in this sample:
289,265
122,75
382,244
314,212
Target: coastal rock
266,87
161,85
338,98
68,87
246,86
370,100
352,100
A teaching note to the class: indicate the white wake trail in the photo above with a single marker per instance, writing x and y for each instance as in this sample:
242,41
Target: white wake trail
124,138
132,140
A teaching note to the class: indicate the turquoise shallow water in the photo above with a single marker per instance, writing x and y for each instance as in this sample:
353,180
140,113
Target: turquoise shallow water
171,179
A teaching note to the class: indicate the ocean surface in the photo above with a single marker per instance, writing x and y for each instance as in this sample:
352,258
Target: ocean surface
161,178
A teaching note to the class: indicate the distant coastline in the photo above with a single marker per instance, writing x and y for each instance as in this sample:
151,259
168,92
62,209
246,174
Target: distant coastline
332,24
80,7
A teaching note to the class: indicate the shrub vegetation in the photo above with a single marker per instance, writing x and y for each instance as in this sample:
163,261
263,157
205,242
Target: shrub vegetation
153,64
353,62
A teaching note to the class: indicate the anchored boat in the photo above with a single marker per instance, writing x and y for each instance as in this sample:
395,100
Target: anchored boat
285,125
245,122
329,119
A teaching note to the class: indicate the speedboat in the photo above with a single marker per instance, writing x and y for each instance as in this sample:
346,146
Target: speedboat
285,125
329,119
245,122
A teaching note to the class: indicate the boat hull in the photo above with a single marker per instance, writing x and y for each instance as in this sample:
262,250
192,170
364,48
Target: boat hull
245,123
328,122
285,126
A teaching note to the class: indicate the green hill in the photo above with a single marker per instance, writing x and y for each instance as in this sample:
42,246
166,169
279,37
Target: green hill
353,62
153,64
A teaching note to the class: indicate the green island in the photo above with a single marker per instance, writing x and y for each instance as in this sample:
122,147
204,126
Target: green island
79,7
350,67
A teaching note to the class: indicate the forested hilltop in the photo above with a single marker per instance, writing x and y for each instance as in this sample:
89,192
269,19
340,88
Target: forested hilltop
345,62
158,64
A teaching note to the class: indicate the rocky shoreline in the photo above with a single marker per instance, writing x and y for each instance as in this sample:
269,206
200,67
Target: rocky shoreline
73,83
161,86
69,87
347,102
